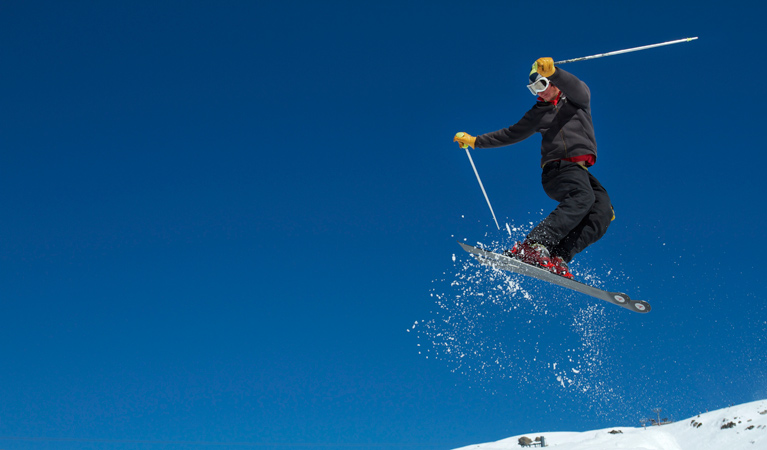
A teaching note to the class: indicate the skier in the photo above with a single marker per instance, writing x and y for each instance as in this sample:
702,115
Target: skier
563,117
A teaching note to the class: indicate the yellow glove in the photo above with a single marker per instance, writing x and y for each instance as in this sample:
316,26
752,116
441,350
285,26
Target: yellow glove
464,140
544,66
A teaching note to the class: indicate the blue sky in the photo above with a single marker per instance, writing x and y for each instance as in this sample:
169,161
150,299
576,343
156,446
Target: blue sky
222,218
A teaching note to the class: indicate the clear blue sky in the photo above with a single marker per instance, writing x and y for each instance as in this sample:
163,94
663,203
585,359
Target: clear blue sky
221,218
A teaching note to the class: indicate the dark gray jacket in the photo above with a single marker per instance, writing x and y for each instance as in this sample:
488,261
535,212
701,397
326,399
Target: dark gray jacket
566,127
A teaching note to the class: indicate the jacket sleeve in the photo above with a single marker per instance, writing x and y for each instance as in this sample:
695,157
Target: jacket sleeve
575,89
518,132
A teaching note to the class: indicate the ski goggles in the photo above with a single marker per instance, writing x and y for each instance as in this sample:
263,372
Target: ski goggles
539,85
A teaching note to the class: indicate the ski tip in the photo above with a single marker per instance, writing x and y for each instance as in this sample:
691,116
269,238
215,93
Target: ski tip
465,246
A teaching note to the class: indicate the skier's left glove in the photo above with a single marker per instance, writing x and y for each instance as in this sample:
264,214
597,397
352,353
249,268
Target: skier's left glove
544,66
464,140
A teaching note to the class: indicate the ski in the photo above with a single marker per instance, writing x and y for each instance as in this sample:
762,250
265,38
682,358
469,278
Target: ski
503,262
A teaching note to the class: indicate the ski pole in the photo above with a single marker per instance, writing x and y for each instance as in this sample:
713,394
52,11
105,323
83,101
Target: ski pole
482,187
618,52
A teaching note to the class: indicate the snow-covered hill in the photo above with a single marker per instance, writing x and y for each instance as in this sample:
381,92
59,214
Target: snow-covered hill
741,427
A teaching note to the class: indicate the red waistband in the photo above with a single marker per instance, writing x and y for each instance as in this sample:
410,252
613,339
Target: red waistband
589,160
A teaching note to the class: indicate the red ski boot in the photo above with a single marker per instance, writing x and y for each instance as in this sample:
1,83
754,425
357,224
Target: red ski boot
559,267
530,253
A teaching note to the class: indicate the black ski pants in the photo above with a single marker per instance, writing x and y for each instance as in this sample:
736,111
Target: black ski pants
583,214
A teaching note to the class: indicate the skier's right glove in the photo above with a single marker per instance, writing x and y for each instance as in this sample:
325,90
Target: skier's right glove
464,140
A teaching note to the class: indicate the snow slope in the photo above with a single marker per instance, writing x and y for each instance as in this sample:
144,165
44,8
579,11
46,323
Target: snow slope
748,431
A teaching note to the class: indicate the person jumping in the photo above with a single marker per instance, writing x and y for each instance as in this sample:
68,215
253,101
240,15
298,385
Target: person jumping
562,115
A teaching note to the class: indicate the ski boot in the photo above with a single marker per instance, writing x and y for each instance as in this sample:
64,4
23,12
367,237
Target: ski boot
559,267
531,253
